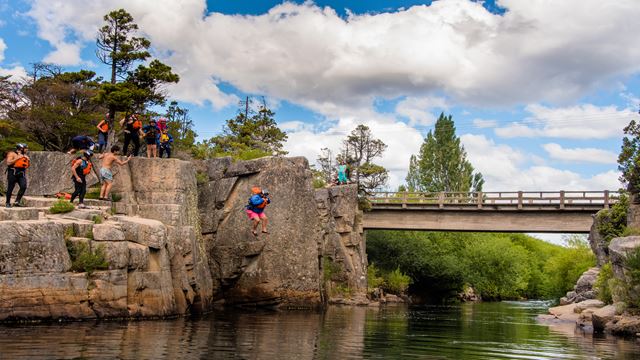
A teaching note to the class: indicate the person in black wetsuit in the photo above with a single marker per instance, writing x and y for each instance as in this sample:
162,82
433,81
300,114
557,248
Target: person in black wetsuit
17,163
79,170
132,132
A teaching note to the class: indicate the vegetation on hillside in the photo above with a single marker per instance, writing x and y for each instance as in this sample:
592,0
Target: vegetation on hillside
497,266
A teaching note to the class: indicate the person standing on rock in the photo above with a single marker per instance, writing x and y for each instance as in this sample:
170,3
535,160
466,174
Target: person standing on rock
17,163
79,170
151,135
342,174
105,171
165,143
103,133
255,209
132,132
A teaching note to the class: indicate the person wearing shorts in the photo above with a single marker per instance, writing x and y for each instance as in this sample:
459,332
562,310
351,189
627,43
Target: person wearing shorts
151,136
255,210
105,171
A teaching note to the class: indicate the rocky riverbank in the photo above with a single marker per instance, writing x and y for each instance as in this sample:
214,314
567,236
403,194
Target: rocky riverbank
178,242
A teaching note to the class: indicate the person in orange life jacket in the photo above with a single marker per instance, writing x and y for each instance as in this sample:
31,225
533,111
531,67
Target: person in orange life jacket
132,132
151,135
79,170
103,133
81,142
255,209
17,164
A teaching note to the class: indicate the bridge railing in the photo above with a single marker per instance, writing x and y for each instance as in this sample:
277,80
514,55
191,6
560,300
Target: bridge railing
513,199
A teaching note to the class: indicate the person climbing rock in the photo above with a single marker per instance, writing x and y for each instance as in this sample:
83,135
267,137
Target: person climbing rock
103,133
132,132
151,134
17,163
105,170
165,143
342,174
80,143
255,209
80,168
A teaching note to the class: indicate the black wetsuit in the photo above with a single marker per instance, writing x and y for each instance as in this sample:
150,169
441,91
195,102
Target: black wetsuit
80,186
131,135
16,176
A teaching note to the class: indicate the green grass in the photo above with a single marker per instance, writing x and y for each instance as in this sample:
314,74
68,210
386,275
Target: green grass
61,206
83,259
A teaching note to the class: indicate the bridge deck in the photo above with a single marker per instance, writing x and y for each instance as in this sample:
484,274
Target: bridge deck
556,212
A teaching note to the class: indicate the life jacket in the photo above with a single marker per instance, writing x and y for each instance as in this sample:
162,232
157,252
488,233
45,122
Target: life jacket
84,165
22,163
137,124
164,138
104,127
152,132
257,202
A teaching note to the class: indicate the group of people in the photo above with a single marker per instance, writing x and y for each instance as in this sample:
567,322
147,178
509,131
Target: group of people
155,134
18,161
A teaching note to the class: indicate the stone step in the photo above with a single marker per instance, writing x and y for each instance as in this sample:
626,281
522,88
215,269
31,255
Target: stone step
20,213
33,201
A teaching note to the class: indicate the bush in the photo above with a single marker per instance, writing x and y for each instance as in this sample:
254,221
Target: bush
565,267
116,197
97,219
61,206
93,193
202,178
603,283
329,269
396,282
612,223
83,259
373,280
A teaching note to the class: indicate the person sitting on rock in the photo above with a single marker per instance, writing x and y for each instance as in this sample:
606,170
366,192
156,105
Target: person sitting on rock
17,163
255,209
81,142
80,168
105,171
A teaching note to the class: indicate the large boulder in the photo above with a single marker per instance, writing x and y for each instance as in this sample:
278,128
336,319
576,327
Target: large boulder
602,316
597,243
49,173
32,247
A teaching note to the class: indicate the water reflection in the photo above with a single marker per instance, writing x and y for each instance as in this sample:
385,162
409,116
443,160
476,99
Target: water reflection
498,330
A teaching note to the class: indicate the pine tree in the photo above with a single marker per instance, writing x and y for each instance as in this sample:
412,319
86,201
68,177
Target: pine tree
359,151
442,163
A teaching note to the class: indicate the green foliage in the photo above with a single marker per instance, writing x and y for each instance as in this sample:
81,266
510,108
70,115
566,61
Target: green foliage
612,222
396,282
61,206
84,259
93,192
201,178
69,232
358,152
441,164
373,278
632,264
497,266
97,219
329,269
629,158
603,283
180,127
116,197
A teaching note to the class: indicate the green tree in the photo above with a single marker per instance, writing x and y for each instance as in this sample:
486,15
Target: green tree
629,158
246,137
359,150
180,126
119,48
441,164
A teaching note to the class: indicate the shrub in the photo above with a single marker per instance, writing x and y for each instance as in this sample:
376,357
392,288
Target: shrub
97,219
202,178
329,269
396,282
83,259
565,267
613,222
603,283
61,206
116,197
373,280
93,193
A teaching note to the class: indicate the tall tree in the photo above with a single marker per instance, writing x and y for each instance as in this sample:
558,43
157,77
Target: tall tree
441,164
180,126
247,137
129,90
359,150
629,158
326,165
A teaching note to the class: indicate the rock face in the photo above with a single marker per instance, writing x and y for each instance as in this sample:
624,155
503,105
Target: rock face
174,247
49,173
597,243
307,229
583,290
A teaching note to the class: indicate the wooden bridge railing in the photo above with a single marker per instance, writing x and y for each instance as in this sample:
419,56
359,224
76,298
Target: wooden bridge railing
515,199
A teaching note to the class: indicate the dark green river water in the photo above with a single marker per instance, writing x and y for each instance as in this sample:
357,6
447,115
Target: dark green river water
506,330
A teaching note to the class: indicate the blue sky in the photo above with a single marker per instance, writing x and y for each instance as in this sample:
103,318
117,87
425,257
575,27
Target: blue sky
539,91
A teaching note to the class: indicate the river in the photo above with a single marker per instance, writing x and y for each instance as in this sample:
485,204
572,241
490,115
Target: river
506,330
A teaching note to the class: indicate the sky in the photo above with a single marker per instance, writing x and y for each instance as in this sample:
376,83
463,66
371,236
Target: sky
539,90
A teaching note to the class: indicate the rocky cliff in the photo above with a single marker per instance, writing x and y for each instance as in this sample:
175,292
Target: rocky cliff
175,245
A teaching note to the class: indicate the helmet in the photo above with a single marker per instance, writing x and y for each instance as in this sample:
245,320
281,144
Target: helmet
21,146
88,153
256,190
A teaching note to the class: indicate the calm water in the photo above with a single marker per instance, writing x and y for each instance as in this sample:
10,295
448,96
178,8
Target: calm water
470,331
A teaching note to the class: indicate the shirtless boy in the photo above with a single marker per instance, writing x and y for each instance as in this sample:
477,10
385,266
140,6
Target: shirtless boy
105,171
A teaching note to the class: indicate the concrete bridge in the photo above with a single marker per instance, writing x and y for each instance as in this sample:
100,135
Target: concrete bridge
519,211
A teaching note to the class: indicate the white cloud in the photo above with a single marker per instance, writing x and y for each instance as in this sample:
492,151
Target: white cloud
537,51
484,124
16,72
64,54
592,155
3,47
505,169
585,121
419,111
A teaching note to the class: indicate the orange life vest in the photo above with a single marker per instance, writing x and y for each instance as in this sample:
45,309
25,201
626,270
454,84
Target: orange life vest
104,127
137,125
86,169
22,163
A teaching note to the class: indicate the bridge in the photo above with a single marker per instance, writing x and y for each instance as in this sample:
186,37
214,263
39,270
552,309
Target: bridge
519,211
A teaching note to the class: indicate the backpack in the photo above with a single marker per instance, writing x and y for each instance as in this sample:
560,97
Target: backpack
85,165
256,202
22,163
